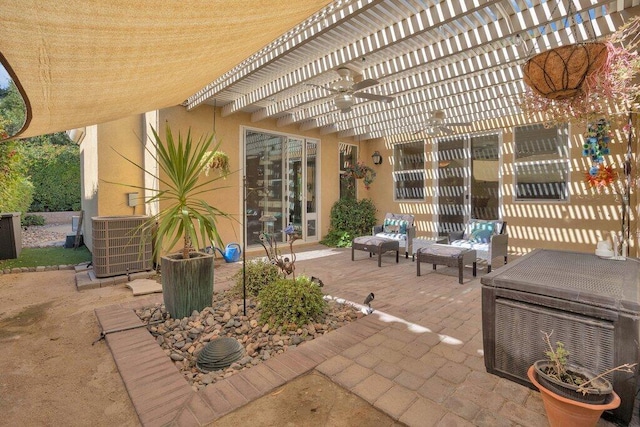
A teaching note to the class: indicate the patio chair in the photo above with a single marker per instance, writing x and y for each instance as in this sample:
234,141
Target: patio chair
397,227
487,237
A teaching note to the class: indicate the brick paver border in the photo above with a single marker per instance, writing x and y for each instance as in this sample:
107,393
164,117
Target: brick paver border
162,396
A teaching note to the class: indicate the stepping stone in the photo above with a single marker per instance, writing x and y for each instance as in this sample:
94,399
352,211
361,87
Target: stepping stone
144,286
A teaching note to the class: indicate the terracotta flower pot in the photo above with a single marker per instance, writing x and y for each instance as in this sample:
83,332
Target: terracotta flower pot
562,411
561,72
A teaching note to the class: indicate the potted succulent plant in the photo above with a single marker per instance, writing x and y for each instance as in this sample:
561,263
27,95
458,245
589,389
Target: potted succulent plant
571,394
187,276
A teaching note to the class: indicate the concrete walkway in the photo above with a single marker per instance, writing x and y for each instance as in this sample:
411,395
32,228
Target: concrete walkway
418,357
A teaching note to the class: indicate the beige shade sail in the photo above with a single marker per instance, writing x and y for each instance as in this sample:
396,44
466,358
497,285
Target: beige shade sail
79,63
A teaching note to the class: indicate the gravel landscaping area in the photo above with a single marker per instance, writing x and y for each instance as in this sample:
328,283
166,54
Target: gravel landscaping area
183,339
53,233
44,310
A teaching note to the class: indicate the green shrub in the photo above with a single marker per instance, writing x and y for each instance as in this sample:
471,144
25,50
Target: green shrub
350,218
55,172
12,110
16,191
29,220
338,239
259,274
21,196
291,302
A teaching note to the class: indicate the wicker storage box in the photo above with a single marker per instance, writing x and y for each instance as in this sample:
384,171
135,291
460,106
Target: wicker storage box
591,305
120,245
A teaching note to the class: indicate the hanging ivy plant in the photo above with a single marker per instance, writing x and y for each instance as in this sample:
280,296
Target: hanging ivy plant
359,170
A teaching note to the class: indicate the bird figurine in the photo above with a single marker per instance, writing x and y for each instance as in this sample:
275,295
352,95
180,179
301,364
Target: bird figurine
367,302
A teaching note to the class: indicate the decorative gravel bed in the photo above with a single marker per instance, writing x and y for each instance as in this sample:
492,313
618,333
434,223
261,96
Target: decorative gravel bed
39,236
183,339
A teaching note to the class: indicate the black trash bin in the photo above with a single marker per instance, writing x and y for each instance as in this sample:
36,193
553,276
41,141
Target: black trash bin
10,235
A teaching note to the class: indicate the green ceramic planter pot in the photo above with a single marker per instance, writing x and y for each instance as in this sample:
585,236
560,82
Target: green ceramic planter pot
187,284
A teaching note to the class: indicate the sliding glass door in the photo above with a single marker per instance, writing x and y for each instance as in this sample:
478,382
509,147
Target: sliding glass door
451,190
311,178
485,168
293,186
280,185
468,180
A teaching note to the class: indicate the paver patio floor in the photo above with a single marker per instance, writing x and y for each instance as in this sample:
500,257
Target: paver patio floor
418,357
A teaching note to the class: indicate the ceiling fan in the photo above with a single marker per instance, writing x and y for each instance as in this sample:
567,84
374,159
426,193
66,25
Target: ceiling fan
435,124
347,88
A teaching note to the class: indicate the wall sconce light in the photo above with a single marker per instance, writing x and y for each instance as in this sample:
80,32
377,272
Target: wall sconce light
377,158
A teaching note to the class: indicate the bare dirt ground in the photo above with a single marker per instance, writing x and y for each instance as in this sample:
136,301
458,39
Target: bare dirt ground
52,374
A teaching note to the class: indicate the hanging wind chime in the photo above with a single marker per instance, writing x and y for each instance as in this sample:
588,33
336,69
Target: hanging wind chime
596,146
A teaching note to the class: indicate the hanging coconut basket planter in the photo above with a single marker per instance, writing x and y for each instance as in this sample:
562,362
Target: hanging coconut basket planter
561,72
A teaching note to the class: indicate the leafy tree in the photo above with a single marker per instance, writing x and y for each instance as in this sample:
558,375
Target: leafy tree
45,169
12,109
54,170
59,138
16,191
15,188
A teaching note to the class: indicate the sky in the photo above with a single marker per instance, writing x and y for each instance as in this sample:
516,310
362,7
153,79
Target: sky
4,77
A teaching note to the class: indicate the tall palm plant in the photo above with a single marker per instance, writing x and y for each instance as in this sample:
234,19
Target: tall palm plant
187,215
187,277
184,214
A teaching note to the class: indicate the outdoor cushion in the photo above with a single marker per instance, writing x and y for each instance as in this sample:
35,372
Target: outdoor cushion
394,236
487,237
443,250
395,226
370,240
480,231
482,249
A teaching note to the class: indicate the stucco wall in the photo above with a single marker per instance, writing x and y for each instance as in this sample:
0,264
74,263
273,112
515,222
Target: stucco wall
576,224
120,149
106,173
89,170
123,136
